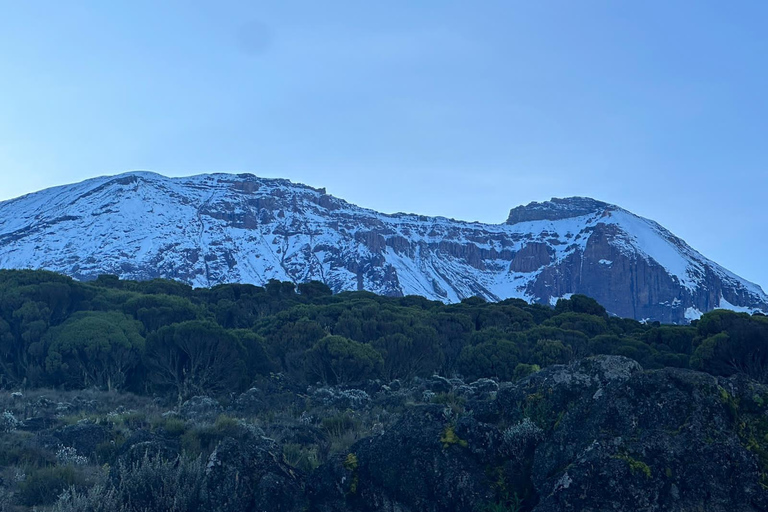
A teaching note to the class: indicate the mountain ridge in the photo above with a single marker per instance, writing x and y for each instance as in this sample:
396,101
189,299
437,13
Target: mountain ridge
215,228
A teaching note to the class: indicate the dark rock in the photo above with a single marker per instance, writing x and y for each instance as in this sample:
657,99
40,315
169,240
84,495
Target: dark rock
421,463
439,384
248,474
84,436
250,402
201,408
143,443
618,438
484,387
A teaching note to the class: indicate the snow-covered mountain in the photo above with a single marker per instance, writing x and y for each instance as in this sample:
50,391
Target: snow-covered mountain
221,228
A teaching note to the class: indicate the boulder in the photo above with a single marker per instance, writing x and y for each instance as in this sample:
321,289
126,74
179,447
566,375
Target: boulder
248,474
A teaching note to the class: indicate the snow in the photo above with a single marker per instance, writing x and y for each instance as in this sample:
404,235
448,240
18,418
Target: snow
648,238
553,300
724,304
692,313
185,228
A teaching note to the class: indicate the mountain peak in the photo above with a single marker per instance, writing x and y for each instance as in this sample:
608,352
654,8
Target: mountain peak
221,228
557,209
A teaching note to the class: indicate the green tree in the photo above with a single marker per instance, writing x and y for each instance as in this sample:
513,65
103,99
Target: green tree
678,339
258,361
494,358
580,304
406,356
155,311
94,348
195,358
314,290
547,352
736,343
591,325
339,360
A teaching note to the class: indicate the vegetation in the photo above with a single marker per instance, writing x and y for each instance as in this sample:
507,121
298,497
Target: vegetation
165,337
120,393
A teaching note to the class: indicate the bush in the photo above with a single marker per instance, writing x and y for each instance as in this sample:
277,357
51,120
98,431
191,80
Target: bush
195,358
8,422
150,484
339,360
519,439
496,358
94,348
304,458
42,486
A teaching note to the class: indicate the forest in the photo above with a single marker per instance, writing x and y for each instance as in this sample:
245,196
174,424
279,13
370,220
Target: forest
163,338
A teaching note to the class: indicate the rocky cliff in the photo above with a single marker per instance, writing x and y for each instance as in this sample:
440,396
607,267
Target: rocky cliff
211,229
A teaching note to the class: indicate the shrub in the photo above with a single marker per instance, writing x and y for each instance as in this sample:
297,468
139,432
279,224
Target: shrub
496,358
94,348
159,484
547,352
96,499
8,422
67,456
195,358
42,486
450,438
147,485
173,426
339,360
338,425
519,438
304,458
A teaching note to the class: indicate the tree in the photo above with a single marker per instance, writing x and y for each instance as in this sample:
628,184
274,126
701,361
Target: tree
678,339
406,356
314,290
195,358
453,330
740,346
258,361
155,311
287,341
339,360
591,325
94,348
494,358
580,304
547,352
576,340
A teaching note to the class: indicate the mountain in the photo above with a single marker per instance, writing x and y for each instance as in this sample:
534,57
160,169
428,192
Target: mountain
221,228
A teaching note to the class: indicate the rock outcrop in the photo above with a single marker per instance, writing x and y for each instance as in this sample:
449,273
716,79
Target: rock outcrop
600,434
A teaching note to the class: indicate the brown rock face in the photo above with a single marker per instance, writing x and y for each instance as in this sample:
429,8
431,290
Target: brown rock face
531,257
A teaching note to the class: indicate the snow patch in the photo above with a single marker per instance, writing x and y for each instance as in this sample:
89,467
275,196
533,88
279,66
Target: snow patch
553,300
724,304
692,314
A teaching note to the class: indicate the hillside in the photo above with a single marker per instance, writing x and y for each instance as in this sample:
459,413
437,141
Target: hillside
150,395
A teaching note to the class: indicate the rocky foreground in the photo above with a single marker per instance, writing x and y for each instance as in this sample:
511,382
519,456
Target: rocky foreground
598,434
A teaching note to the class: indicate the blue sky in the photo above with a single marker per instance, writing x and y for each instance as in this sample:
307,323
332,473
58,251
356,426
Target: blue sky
462,109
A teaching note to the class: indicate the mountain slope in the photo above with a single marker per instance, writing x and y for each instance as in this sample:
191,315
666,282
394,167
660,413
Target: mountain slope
219,228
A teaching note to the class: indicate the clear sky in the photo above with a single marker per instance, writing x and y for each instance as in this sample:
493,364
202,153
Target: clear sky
462,109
